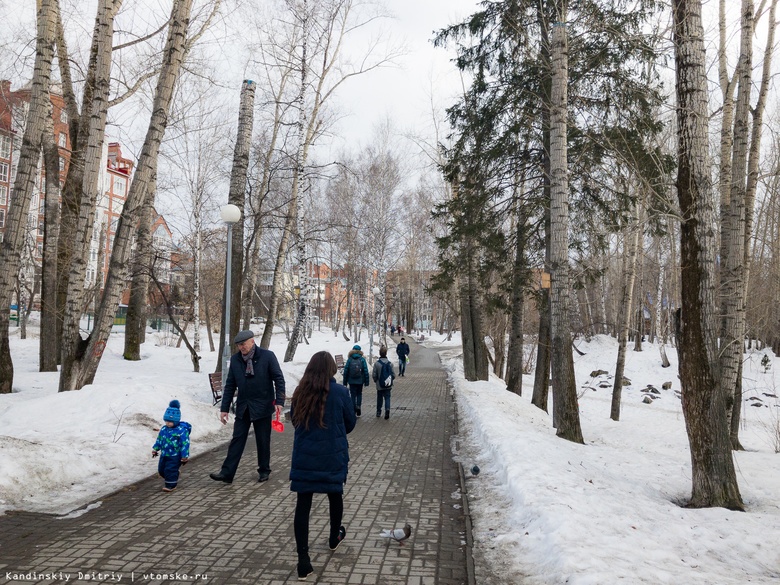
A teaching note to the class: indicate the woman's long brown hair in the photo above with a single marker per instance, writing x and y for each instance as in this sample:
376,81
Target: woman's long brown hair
308,400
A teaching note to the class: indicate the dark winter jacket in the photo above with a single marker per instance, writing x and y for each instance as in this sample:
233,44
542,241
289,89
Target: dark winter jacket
356,354
320,456
257,392
378,370
402,349
173,441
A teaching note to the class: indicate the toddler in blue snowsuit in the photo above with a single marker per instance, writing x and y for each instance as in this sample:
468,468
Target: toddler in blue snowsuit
174,442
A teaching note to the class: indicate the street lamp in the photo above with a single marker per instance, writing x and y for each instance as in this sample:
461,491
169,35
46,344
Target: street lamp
230,214
376,292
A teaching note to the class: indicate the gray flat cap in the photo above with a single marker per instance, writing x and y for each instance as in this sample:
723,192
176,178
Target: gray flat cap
243,336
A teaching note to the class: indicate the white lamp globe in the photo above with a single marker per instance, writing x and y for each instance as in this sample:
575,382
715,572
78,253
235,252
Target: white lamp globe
376,290
230,213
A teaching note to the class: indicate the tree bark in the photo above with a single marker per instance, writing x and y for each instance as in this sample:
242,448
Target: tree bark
27,168
82,357
566,409
541,390
236,196
750,193
70,239
733,230
298,178
631,243
47,361
714,481
94,120
514,370
135,325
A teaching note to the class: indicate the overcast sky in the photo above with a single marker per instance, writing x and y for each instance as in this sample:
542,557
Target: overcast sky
404,92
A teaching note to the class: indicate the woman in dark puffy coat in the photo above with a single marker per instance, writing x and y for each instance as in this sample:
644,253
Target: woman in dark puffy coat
322,414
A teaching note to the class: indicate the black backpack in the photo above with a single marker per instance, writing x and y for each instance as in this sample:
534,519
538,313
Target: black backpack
385,374
355,371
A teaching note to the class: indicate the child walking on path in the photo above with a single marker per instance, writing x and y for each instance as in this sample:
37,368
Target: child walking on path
174,443
356,376
383,375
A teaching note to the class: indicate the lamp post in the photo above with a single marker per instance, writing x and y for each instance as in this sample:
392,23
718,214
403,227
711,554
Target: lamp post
376,290
230,214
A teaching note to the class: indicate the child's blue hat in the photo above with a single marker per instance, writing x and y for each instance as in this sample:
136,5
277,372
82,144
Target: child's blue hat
173,412
357,347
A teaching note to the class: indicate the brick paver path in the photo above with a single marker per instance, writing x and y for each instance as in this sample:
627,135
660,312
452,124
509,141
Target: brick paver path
401,470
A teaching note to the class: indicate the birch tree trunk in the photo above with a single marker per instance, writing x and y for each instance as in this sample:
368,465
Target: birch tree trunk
514,369
714,481
135,325
298,177
47,355
32,141
92,132
733,228
750,194
85,131
253,262
541,390
236,196
566,411
82,357
631,243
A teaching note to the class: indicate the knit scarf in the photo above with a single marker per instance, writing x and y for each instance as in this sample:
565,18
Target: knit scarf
250,370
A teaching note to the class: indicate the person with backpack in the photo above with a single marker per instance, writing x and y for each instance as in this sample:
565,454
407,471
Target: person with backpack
383,375
356,376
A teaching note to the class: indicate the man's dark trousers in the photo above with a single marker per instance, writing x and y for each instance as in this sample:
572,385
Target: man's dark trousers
238,442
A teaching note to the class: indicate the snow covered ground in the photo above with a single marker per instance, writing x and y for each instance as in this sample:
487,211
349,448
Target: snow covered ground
545,511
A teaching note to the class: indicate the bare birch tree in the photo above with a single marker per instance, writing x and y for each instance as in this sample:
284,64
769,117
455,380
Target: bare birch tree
32,143
714,481
327,28
80,358
566,416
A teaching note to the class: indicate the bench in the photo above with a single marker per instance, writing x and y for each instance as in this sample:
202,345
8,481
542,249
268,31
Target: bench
215,380
339,361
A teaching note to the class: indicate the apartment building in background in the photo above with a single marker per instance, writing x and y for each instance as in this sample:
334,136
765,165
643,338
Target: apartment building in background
114,182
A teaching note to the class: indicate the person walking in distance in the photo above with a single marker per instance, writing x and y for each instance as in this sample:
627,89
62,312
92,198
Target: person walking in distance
323,415
383,375
402,349
356,376
255,373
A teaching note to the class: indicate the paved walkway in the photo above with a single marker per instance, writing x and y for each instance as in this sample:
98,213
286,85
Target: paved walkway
401,470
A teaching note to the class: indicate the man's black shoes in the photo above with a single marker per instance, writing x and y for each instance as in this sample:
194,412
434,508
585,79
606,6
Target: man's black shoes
263,477
220,477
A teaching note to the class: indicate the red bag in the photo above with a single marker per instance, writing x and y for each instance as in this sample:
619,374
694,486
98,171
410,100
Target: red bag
277,425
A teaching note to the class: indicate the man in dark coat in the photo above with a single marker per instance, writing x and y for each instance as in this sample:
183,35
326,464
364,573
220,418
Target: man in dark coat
402,349
256,374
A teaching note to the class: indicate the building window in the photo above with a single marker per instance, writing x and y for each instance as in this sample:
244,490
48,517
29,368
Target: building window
119,186
3,195
63,140
63,116
62,164
4,172
2,218
5,146
40,227
40,248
